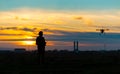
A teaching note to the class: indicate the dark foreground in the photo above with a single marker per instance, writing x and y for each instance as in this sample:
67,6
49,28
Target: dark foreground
61,62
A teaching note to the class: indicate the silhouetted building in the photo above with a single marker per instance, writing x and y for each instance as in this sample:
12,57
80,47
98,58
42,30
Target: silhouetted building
5,51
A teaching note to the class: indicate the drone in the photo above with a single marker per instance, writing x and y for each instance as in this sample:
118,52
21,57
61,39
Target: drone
102,30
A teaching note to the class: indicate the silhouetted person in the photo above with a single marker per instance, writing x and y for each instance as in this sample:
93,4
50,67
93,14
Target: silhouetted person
40,42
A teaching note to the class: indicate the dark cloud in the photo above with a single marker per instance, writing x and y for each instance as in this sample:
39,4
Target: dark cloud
88,37
7,28
60,35
33,30
78,18
17,28
17,39
1,34
28,29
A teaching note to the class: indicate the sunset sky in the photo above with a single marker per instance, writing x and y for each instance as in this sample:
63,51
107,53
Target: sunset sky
62,22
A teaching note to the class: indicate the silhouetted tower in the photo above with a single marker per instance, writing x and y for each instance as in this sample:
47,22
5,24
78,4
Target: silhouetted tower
76,46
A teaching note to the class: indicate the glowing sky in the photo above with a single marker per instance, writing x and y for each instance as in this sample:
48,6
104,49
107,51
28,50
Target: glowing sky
22,19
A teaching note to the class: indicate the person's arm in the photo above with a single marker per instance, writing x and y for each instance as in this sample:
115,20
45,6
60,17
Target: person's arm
44,41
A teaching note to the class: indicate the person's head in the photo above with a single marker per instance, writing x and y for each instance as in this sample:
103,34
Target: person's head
40,33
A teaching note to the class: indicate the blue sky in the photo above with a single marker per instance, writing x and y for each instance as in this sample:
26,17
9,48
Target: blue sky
61,4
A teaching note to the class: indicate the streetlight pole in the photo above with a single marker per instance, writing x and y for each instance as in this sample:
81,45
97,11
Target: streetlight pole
102,32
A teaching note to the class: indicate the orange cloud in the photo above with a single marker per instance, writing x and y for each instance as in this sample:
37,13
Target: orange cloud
86,21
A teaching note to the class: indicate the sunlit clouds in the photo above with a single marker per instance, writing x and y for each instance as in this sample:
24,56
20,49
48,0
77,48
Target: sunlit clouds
63,20
23,24
27,43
